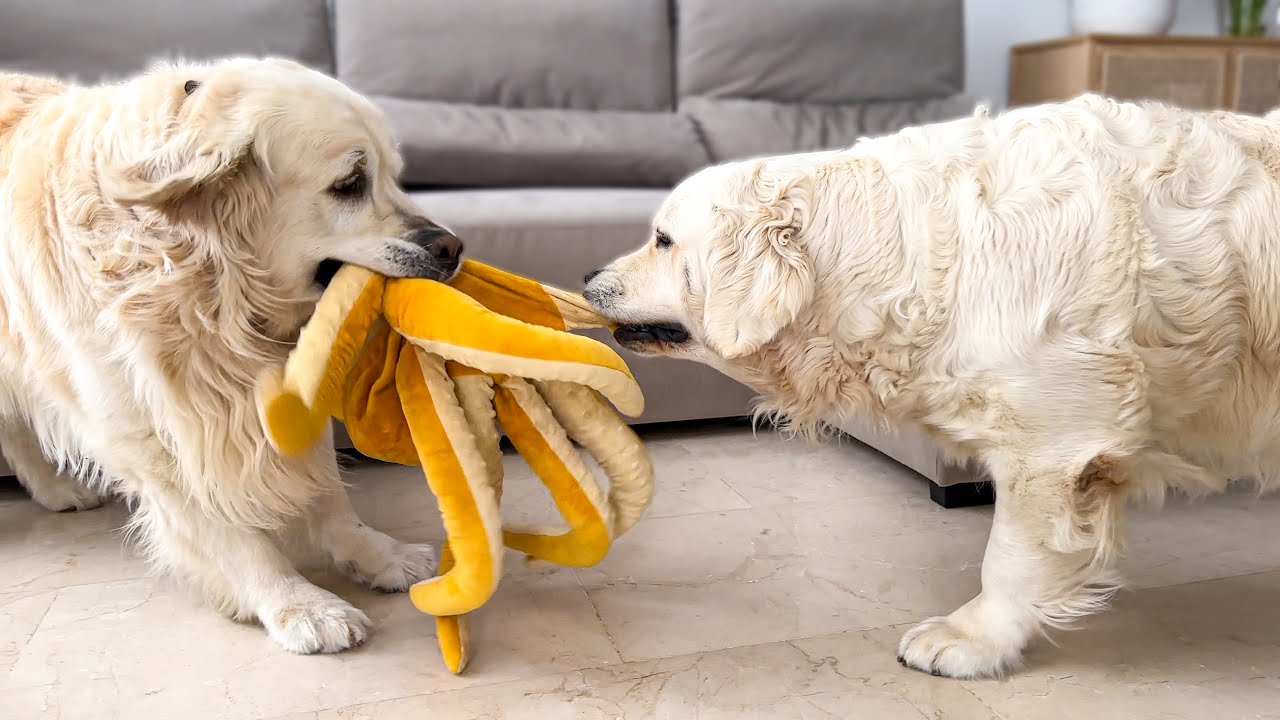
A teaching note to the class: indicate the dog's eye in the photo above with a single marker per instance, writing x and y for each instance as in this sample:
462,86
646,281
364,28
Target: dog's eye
662,240
351,186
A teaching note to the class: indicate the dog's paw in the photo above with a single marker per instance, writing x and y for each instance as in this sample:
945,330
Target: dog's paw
66,495
383,563
938,646
317,621
407,564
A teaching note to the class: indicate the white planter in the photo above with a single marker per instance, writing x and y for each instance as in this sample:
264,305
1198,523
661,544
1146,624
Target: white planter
1122,17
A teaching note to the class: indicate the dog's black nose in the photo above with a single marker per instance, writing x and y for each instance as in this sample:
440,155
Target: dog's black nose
590,276
445,247
438,242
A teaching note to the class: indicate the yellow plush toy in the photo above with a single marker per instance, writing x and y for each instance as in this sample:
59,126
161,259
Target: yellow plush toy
422,373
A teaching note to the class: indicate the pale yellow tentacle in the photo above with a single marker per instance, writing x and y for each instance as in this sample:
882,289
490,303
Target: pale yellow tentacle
596,427
457,474
546,447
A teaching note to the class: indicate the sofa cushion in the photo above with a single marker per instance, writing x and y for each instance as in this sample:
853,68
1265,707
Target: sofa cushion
540,92
556,236
597,55
820,51
91,41
736,129
471,145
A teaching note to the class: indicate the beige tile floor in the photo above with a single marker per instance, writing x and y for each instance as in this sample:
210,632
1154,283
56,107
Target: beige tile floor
771,580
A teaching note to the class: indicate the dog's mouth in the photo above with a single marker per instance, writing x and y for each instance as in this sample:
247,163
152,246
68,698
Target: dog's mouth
326,270
440,270
651,336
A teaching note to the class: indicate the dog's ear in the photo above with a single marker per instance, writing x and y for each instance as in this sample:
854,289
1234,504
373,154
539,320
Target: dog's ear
759,277
210,137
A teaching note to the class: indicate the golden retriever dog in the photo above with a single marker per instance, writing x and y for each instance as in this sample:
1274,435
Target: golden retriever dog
161,243
1083,297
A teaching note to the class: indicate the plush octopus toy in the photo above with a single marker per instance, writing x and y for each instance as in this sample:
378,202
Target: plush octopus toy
424,373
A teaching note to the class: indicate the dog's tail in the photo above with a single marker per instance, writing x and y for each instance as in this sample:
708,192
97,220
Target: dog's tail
19,93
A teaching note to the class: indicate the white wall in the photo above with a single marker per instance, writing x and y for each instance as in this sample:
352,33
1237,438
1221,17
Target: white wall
993,26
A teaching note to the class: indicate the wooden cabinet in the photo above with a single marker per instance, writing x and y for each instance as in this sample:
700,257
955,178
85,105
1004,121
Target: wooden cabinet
1199,73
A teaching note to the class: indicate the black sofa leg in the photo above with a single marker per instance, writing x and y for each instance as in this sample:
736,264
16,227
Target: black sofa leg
962,495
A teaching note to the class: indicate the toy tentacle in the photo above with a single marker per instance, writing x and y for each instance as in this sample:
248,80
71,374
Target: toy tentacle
475,395
589,421
456,472
525,299
452,632
545,446
463,329
296,403
574,311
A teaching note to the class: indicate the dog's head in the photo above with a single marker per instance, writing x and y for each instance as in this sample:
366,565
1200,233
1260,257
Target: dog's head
724,272
291,166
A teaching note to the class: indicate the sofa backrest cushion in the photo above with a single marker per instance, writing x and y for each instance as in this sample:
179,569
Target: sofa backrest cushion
820,51
734,128
800,75
561,92
92,41
597,55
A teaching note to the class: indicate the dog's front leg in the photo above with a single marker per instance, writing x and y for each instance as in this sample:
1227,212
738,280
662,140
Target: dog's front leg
358,551
1048,563
244,573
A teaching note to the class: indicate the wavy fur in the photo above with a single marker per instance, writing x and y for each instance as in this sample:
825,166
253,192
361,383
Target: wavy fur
158,244
1083,297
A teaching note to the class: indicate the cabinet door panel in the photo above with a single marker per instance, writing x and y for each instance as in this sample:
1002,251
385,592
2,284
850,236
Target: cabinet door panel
1188,76
1256,89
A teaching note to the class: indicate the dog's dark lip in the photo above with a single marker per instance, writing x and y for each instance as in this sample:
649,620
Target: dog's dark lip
329,267
326,270
664,333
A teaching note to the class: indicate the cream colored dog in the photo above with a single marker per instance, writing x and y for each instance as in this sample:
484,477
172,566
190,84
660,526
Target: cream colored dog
161,243
1084,297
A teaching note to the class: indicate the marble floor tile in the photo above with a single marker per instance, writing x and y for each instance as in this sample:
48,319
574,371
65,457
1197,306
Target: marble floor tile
771,579
766,468
847,675
767,574
1186,541
41,550
1201,650
20,614
142,649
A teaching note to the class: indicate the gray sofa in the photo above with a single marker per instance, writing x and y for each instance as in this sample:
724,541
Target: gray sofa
545,132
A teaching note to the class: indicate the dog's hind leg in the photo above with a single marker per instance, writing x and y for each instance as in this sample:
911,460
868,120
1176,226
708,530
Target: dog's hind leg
1065,430
52,489
245,574
1049,562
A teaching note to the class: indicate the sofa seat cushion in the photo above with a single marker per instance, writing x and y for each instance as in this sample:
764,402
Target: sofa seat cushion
738,128
93,41
473,145
557,235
